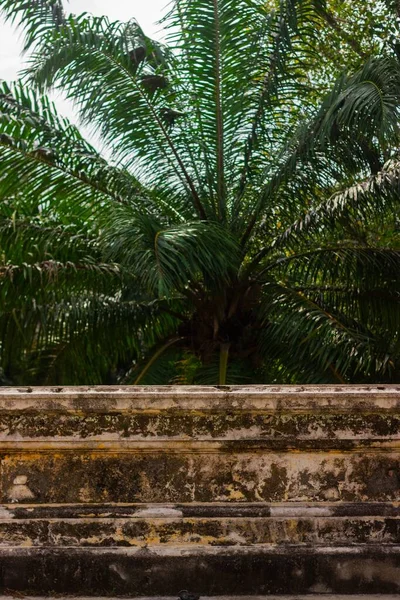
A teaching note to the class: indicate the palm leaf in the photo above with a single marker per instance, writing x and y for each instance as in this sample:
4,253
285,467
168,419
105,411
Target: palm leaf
35,17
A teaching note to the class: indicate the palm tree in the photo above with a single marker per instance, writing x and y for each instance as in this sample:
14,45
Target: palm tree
243,228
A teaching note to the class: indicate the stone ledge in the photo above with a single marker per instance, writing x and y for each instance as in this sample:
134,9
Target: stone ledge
252,490
207,398
372,446
193,420
200,510
199,525
191,533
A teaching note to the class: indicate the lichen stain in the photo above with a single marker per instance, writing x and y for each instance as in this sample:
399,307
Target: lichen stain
170,423
368,571
275,485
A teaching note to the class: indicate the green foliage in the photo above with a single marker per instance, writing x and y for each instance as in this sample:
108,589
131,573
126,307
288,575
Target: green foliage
248,212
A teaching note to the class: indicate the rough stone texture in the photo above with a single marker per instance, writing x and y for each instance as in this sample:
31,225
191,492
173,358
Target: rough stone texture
203,476
224,491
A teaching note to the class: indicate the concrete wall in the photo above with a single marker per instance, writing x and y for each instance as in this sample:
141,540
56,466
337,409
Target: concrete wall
247,490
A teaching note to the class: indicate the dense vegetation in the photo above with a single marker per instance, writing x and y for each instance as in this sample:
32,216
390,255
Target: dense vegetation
243,228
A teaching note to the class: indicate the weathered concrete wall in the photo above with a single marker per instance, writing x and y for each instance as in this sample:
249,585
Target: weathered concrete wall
247,490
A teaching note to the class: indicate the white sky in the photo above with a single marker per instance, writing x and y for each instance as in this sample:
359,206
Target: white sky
146,12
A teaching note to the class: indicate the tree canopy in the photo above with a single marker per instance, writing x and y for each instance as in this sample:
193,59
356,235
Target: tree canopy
240,225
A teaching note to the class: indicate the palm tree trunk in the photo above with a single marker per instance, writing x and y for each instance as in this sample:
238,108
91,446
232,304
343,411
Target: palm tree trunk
223,362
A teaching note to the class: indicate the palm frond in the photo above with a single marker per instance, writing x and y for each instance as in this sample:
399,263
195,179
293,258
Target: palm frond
364,201
170,257
91,60
45,156
78,339
35,17
336,143
302,331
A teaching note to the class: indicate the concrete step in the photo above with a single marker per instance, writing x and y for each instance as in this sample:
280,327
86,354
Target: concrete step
207,570
222,524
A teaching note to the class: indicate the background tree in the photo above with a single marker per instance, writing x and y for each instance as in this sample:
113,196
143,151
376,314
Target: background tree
244,229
